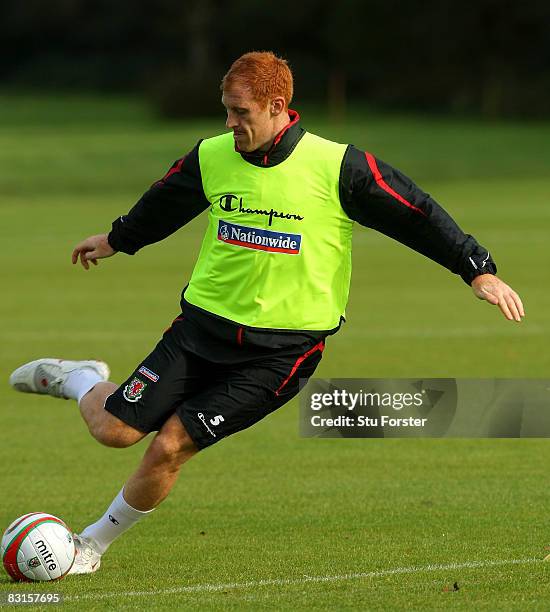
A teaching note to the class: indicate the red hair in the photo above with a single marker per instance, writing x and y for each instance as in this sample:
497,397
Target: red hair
264,73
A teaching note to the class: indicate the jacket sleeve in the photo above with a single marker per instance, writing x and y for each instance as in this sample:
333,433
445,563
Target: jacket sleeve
169,204
380,197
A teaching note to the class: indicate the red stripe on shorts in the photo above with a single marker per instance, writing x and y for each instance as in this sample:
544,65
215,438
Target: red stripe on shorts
317,347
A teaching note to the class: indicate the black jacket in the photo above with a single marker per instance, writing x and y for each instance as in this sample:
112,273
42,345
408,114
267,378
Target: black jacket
371,192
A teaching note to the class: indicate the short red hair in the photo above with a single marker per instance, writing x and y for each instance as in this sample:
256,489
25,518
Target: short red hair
264,73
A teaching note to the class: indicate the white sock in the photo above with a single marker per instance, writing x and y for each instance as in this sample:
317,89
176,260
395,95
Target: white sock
79,382
118,519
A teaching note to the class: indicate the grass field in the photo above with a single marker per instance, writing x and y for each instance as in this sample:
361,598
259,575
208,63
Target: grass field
266,520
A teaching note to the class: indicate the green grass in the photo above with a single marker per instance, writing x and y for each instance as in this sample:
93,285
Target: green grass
266,513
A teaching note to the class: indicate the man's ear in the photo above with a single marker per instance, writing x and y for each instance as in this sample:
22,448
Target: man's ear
277,106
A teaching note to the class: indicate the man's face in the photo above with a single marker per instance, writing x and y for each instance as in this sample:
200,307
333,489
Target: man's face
252,125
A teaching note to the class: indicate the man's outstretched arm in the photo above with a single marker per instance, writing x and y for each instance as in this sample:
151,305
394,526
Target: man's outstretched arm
169,204
378,196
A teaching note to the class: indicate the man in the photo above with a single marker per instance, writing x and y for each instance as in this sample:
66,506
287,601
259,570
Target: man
270,284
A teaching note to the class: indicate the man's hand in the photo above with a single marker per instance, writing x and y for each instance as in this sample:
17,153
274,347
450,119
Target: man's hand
92,249
489,287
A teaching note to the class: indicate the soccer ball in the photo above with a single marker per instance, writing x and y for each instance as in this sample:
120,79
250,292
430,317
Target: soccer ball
37,546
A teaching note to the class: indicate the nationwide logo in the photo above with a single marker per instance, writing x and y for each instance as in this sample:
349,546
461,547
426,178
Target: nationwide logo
255,238
228,203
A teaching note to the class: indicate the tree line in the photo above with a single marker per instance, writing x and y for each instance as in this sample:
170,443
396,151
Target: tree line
489,57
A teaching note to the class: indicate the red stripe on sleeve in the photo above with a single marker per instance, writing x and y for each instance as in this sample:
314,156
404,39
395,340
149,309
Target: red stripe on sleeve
383,185
173,170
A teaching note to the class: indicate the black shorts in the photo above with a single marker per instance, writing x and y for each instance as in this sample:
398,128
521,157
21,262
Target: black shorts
217,383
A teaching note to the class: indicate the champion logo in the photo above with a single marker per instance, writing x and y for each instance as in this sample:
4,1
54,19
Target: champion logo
255,238
231,203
